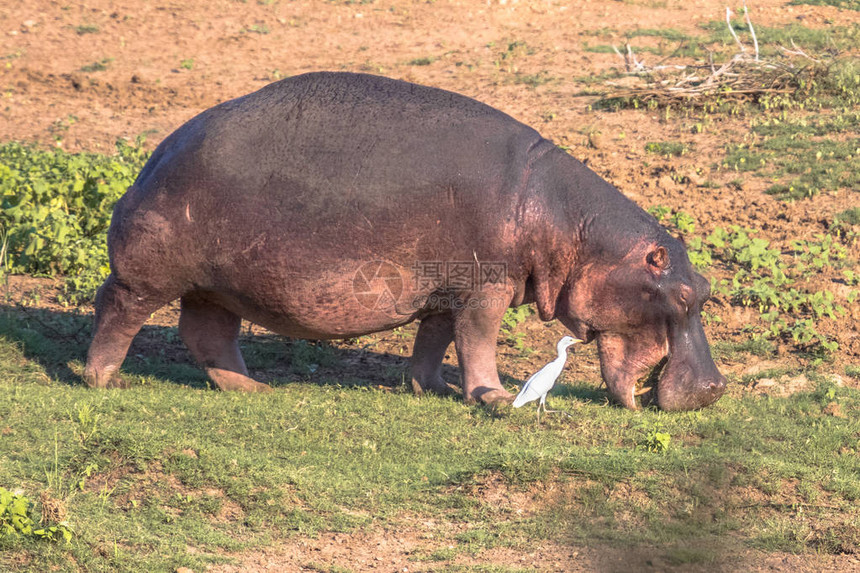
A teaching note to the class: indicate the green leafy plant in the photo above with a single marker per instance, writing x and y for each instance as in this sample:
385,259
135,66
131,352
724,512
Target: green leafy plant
774,281
513,50
770,281
514,317
15,514
16,520
55,208
656,440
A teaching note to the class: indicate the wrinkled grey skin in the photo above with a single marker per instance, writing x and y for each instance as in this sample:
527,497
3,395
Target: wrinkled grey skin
289,205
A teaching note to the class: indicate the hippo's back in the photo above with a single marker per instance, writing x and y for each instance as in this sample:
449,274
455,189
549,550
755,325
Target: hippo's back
353,134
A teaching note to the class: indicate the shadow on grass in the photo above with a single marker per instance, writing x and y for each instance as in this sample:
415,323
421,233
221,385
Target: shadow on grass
58,342
581,393
49,338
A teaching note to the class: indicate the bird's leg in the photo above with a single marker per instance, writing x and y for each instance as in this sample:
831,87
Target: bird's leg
566,413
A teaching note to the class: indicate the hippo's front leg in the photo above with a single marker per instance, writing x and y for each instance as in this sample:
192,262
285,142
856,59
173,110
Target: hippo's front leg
476,328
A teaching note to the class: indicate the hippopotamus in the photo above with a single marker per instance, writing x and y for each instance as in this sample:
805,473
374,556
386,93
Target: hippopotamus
333,205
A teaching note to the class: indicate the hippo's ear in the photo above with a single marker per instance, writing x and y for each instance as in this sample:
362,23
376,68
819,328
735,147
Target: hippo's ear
658,260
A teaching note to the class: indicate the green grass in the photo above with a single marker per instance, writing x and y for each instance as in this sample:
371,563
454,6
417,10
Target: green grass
841,38
426,61
760,347
797,155
98,66
532,80
164,474
849,216
717,38
667,148
670,42
847,4
670,34
86,29
169,473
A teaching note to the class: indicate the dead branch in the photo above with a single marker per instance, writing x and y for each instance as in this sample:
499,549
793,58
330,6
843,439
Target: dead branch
729,24
742,77
752,31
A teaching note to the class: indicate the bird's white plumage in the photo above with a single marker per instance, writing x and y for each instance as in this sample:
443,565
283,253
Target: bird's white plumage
542,381
539,384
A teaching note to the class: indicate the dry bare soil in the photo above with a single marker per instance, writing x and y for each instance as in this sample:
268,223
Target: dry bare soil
80,75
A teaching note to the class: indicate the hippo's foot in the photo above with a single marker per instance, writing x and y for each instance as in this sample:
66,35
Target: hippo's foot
98,377
120,312
211,333
226,380
433,385
106,377
489,396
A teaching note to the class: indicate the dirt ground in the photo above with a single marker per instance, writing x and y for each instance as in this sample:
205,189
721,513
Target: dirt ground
80,75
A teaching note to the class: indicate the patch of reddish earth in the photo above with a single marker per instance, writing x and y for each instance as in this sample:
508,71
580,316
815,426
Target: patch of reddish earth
392,551
165,61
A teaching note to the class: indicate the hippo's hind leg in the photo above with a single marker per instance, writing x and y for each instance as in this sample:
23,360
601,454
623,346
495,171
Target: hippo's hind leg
211,333
119,314
435,334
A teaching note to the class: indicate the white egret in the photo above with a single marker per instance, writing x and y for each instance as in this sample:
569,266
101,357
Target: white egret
544,379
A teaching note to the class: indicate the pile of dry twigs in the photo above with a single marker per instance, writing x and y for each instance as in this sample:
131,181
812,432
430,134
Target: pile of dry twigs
745,76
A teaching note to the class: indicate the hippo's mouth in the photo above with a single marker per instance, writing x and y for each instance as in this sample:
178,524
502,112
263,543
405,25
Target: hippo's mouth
646,386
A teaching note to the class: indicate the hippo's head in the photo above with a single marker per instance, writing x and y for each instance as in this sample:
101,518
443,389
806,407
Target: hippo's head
644,311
